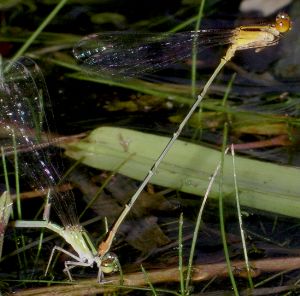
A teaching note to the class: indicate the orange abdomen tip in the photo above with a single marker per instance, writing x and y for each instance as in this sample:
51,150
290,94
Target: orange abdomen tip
283,22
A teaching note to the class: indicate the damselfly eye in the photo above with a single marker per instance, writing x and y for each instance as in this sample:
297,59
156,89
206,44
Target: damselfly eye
109,263
283,22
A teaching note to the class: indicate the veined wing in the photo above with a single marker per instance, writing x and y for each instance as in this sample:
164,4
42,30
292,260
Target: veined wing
23,95
123,54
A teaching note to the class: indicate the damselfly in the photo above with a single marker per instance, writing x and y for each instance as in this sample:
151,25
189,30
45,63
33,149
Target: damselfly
130,54
23,93
127,54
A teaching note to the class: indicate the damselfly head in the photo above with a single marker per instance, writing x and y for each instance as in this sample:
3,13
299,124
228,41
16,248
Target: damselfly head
109,263
283,22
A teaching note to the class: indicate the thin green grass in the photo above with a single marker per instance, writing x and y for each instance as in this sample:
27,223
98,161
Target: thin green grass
5,172
195,50
5,204
228,90
184,24
197,227
271,278
201,210
23,261
239,213
194,64
148,281
42,26
39,251
17,180
221,214
180,255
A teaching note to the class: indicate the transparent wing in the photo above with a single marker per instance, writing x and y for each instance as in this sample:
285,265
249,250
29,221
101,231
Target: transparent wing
124,54
23,95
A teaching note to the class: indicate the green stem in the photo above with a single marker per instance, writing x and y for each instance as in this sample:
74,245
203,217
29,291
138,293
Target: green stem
41,27
221,213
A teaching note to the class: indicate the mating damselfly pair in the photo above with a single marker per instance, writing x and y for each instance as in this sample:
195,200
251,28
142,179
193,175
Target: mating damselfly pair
115,55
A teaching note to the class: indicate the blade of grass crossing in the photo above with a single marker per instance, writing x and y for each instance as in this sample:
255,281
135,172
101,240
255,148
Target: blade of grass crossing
180,255
148,281
239,212
221,213
195,50
41,27
18,197
198,223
